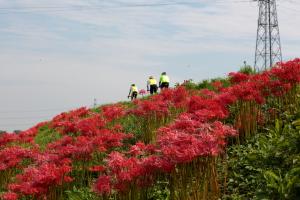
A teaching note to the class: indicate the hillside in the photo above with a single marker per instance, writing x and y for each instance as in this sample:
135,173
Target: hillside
231,138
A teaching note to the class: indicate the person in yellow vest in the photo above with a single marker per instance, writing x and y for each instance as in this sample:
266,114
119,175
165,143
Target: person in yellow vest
152,85
133,92
164,80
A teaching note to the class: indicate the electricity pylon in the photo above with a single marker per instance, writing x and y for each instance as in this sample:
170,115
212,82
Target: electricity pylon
268,47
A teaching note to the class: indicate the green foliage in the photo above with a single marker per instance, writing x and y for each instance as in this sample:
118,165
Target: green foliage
208,84
247,70
81,194
283,186
159,191
268,166
45,136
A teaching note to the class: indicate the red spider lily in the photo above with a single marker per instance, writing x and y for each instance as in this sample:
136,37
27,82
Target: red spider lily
110,139
65,122
238,77
288,72
186,139
177,97
225,98
248,91
113,112
98,168
36,181
137,149
103,185
141,149
217,85
180,97
9,196
12,156
278,88
73,114
200,107
149,108
153,163
165,95
90,126
26,136
117,128
6,138
207,94
83,147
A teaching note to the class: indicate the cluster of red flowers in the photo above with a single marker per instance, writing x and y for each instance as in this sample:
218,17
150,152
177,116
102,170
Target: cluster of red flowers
37,180
83,133
196,132
159,105
26,136
12,156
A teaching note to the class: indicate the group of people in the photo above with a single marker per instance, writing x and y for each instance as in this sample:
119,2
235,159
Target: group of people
152,87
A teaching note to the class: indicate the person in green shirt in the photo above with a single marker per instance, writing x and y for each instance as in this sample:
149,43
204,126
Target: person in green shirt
164,81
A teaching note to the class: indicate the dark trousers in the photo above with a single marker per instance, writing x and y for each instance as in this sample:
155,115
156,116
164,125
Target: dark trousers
164,85
133,95
153,89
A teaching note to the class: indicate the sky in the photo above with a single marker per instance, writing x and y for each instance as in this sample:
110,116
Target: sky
59,55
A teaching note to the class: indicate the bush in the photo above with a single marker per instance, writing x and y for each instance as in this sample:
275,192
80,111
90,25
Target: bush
266,167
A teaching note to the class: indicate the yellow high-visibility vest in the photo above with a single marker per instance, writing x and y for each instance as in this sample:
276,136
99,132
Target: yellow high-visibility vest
134,89
164,79
152,81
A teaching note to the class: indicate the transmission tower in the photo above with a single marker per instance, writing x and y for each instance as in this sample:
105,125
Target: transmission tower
268,47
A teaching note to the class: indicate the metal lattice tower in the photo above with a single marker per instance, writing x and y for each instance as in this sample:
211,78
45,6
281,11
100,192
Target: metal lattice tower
268,47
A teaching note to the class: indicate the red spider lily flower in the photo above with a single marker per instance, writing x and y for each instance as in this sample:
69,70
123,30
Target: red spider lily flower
288,72
247,91
113,112
226,98
207,94
180,97
9,196
188,138
238,77
6,138
118,128
68,179
199,104
12,156
97,168
125,169
36,180
148,108
103,185
90,126
137,149
165,95
217,85
73,114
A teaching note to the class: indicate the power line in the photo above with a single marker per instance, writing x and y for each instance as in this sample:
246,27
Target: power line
97,7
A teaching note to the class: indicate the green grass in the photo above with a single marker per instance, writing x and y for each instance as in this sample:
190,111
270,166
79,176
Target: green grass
46,136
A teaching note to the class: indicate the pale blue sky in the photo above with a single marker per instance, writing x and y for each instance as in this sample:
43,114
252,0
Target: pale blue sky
61,54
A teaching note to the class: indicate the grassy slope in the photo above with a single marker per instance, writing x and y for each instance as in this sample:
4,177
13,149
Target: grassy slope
258,169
